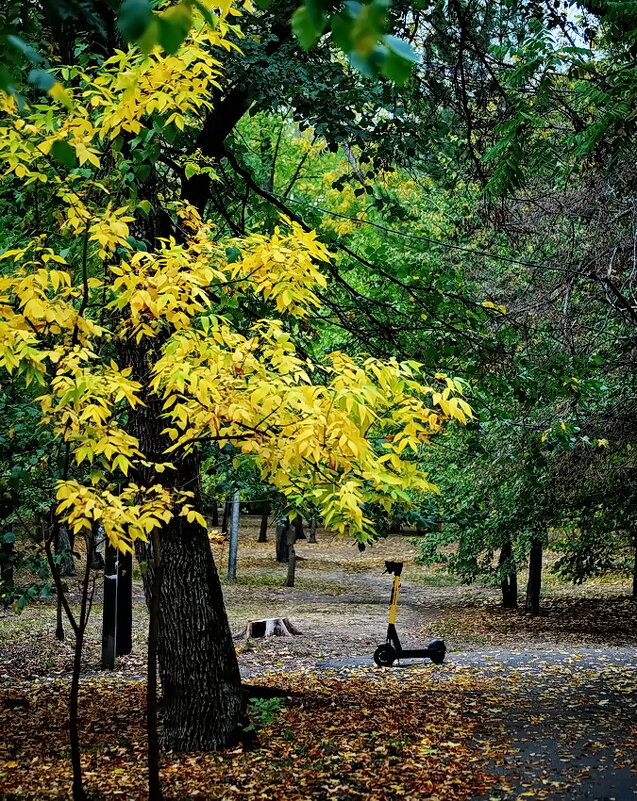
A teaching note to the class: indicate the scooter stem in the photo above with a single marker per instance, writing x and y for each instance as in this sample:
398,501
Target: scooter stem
393,604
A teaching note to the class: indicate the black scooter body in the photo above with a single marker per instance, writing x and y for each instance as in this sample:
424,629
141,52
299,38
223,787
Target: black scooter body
391,650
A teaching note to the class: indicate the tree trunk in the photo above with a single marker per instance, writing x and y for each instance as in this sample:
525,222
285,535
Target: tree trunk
214,514
282,529
203,702
124,639
152,728
634,593
312,539
203,705
63,550
534,584
298,528
227,508
291,539
263,531
509,579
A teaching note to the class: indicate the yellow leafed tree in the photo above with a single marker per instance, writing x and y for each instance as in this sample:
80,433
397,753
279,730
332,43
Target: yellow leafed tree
115,315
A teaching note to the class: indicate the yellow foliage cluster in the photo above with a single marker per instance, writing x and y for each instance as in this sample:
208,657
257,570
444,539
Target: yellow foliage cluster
342,433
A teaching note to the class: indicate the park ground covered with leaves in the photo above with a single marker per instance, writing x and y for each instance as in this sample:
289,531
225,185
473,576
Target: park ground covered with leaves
522,707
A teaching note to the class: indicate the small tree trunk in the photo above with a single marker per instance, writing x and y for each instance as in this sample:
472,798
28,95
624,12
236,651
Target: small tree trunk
312,539
634,594
263,530
509,581
282,529
234,538
59,619
96,554
214,514
534,584
291,539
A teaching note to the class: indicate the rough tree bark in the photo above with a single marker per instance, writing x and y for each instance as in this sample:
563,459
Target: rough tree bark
203,702
534,584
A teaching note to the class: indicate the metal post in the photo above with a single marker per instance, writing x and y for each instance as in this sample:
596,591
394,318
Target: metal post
234,538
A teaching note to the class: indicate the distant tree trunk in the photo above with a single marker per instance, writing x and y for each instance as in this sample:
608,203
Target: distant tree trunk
263,530
282,529
63,550
291,539
214,514
509,582
96,555
298,528
534,584
312,539
227,507
109,607
124,639
7,559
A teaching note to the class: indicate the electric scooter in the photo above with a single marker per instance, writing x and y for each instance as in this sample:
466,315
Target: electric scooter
391,650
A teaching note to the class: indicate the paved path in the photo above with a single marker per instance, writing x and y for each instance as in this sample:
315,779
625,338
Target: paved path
562,724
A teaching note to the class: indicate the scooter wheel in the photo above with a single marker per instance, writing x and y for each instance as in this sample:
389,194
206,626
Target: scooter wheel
438,649
385,655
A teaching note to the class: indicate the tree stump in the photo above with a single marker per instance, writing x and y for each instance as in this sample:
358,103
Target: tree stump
267,627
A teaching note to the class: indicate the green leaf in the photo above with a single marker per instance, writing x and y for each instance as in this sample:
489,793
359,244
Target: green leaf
342,32
145,207
190,170
41,79
305,29
134,18
174,25
30,52
64,153
401,48
6,80
395,68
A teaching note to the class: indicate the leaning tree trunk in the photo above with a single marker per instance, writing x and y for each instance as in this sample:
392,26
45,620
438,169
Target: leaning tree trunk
509,578
534,584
